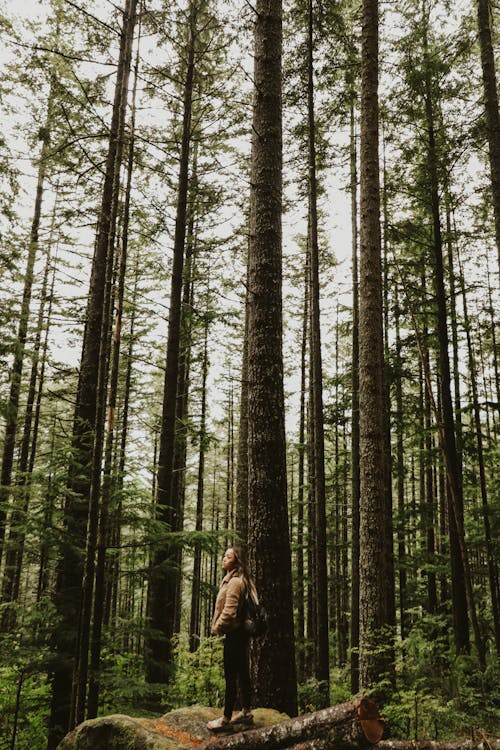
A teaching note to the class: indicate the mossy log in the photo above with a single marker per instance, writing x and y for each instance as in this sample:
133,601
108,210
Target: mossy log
355,724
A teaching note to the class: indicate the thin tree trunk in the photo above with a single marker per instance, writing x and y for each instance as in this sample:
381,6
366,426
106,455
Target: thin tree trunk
300,589
195,626
273,656
490,93
12,407
490,554
162,580
322,647
17,535
355,412
460,618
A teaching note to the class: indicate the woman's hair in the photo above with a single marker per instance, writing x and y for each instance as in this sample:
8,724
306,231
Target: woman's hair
244,572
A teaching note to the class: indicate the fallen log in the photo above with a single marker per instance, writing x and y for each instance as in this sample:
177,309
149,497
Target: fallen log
356,724
481,743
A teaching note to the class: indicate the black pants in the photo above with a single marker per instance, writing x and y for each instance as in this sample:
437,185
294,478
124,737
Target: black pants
236,670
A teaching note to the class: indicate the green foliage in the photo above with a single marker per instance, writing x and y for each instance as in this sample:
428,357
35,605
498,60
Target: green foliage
124,689
32,709
440,695
310,697
199,676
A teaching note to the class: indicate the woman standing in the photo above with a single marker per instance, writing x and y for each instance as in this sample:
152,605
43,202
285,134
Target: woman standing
227,621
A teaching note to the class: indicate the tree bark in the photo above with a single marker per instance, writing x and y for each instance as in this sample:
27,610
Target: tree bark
354,625
273,656
375,621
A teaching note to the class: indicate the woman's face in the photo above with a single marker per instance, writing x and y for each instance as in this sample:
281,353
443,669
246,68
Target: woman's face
229,559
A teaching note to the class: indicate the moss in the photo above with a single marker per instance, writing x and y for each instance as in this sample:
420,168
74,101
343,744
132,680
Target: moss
177,729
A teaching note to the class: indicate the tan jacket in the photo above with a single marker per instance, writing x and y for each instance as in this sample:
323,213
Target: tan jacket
230,595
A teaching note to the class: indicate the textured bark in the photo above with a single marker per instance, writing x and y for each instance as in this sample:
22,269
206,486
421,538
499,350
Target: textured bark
242,465
322,671
491,107
355,412
375,621
273,657
300,588
355,724
162,585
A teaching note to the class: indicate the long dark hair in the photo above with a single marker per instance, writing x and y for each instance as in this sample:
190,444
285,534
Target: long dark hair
244,572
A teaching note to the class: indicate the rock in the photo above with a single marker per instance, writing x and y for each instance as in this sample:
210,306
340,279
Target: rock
177,730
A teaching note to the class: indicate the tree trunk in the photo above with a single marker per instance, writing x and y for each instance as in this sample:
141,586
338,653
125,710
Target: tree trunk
70,570
162,582
459,574
400,473
355,412
490,94
195,626
322,670
12,406
104,530
300,592
273,656
490,552
375,661
17,535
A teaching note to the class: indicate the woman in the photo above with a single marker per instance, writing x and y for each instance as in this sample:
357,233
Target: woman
227,621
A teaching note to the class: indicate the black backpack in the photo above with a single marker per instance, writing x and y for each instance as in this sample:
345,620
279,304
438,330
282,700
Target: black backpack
254,617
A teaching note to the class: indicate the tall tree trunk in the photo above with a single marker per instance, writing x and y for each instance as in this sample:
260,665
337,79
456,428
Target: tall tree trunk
195,626
428,494
273,656
17,535
104,530
242,466
70,568
162,584
490,553
300,592
94,506
322,669
460,618
12,407
491,107
400,472
355,411
375,621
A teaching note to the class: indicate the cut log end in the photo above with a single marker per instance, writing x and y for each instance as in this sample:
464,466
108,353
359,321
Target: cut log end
371,722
